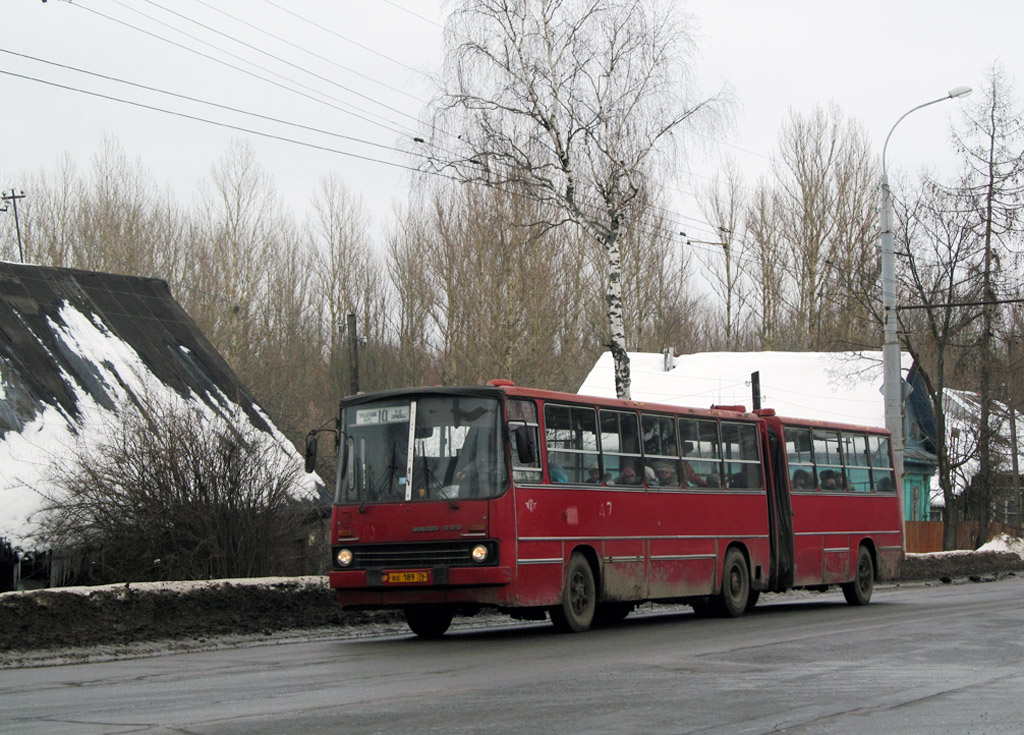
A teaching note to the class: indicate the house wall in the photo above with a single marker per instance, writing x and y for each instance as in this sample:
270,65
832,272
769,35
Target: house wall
916,497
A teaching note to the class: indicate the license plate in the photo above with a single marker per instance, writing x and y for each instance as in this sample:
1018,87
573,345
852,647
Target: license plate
420,577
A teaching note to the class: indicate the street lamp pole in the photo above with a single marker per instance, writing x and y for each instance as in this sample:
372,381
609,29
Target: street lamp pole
892,379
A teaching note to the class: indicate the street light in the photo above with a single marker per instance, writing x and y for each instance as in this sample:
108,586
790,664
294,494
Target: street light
892,380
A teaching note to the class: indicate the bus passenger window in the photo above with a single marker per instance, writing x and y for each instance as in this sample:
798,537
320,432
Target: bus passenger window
882,476
620,448
571,437
855,460
742,456
701,462
802,475
828,460
661,458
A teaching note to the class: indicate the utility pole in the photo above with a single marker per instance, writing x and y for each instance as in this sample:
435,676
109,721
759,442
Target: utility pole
13,199
353,355
892,375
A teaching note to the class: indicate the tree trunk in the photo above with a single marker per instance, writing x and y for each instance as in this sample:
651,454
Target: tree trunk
616,330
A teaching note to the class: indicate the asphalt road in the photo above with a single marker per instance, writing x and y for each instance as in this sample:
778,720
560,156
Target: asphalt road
946,659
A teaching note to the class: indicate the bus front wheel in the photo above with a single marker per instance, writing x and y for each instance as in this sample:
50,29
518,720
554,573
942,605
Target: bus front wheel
429,621
858,592
579,597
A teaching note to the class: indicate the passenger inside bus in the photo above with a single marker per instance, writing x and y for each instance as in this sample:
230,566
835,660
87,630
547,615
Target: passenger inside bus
557,473
801,480
629,477
689,474
666,474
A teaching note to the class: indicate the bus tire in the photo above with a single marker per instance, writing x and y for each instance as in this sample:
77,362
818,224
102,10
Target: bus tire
752,599
732,600
429,621
858,592
579,597
612,613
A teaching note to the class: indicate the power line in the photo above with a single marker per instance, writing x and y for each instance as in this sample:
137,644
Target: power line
196,118
343,38
242,70
202,102
996,302
413,13
315,55
267,53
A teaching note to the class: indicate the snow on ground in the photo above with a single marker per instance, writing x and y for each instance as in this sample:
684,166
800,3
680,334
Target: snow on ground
1002,542
179,586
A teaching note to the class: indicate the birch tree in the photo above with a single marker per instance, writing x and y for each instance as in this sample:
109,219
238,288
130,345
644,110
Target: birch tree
574,101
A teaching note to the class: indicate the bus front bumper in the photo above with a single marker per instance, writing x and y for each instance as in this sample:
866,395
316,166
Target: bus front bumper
420,578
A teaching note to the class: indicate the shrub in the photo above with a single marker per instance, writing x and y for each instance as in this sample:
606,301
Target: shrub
174,492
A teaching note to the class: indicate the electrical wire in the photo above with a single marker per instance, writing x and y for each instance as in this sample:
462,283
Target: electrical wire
204,102
230,126
247,72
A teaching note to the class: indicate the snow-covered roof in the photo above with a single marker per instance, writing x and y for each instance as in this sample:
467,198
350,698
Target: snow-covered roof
75,345
828,386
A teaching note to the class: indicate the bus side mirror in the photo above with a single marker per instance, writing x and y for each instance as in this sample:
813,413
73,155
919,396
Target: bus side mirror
524,445
310,452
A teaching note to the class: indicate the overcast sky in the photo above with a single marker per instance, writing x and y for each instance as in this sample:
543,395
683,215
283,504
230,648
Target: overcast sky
874,58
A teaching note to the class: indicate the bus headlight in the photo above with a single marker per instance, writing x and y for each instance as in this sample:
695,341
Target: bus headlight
479,553
344,557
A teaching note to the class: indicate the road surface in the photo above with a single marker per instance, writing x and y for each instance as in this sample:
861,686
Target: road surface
943,659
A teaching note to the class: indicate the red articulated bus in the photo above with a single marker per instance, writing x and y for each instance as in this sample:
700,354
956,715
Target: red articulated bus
541,503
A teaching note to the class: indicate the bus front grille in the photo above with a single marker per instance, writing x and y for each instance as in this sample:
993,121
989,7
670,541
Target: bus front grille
415,555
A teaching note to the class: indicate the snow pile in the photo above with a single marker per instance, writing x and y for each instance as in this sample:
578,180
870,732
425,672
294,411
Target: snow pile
1003,542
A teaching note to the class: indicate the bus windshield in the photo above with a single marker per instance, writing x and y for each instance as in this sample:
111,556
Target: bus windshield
421,448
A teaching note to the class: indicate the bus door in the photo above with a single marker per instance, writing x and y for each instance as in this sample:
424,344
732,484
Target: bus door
780,513
809,507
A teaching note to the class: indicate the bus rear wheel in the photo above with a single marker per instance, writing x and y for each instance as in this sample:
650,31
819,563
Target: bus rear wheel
858,592
579,597
429,621
732,600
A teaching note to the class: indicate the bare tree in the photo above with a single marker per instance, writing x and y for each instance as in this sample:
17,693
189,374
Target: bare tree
767,262
825,177
723,207
993,182
348,278
938,250
50,219
168,493
572,101
496,287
